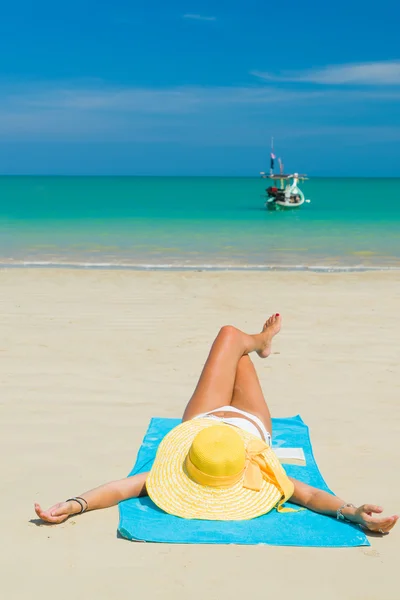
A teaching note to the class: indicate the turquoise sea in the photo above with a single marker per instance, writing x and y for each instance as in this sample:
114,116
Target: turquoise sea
197,223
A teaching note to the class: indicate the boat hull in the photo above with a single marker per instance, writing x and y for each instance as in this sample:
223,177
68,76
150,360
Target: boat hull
279,205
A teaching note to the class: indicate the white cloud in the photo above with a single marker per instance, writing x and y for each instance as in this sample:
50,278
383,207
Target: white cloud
99,98
199,17
102,98
92,109
372,73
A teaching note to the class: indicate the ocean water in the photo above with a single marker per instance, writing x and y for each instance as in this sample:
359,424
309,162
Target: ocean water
197,223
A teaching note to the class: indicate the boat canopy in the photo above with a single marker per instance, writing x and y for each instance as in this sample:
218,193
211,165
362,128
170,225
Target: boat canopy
295,175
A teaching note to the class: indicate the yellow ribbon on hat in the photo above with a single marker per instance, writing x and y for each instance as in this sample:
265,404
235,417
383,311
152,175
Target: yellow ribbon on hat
257,469
217,481
255,465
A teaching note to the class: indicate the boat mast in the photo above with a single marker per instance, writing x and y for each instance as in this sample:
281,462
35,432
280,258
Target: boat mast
271,170
281,167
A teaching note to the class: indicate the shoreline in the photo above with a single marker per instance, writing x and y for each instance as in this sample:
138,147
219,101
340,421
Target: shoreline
194,268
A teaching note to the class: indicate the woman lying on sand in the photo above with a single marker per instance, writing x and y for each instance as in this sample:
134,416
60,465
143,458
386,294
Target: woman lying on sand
218,464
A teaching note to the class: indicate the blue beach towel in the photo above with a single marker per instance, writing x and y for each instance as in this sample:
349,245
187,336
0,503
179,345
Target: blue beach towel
141,520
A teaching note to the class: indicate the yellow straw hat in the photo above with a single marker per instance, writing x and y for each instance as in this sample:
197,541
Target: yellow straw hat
216,472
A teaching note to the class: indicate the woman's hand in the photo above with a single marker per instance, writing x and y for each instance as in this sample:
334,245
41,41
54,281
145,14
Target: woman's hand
104,496
328,504
365,516
57,513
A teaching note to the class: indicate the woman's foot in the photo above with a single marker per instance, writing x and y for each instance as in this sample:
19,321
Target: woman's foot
270,329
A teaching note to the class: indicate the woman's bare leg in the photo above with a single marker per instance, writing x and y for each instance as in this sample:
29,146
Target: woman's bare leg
217,380
247,392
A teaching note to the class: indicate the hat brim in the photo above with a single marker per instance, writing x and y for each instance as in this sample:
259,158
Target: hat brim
172,490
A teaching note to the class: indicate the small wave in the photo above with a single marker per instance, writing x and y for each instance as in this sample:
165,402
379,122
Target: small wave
191,267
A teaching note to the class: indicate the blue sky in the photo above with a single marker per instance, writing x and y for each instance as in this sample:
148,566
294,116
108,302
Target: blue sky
198,88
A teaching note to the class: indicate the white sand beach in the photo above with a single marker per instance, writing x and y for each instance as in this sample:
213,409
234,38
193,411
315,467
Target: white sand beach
88,357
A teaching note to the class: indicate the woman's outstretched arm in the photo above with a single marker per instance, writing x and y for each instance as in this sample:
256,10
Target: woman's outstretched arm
104,496
327,504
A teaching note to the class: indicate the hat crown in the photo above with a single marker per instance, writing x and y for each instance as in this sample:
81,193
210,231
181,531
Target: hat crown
218,451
